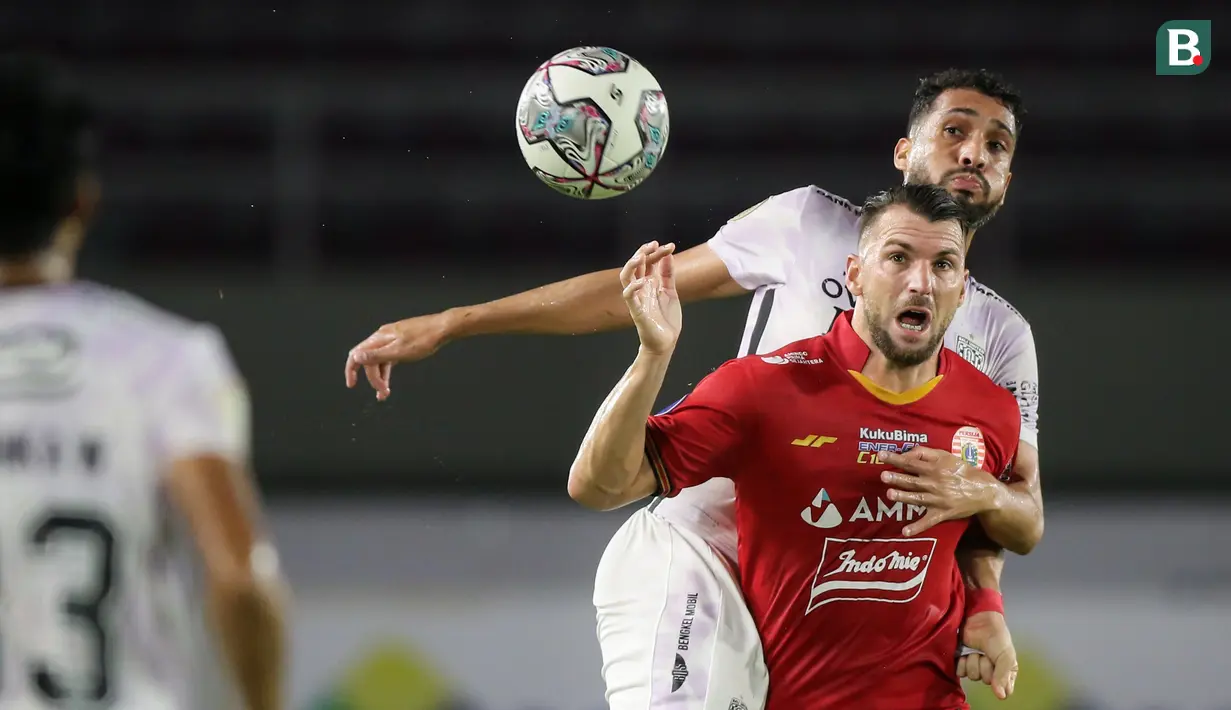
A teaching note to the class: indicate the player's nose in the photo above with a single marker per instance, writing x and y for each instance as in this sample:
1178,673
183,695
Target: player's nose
919,277
973,155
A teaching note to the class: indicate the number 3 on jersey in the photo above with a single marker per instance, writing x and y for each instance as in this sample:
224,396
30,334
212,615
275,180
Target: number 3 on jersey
84,608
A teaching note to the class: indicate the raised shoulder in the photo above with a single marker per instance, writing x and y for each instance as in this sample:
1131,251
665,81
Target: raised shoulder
826,213
790,367
180,369
1001,332
995,308
801,352
995,405
818,194
976,384
829,224
801,208
750,376
783,207
138,322
757,245
761,245
731,381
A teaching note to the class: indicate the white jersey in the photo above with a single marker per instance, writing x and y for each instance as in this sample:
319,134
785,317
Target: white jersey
791,251
98,393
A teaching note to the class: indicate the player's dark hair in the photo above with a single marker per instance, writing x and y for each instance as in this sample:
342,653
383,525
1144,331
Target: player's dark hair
988,83
44,148
931,202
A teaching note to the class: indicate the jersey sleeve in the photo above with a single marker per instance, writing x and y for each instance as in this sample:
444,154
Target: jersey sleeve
202,404
1018,372
755,245
1007,441
702,435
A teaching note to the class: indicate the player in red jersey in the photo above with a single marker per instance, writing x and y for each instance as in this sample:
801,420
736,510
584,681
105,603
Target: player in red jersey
851,614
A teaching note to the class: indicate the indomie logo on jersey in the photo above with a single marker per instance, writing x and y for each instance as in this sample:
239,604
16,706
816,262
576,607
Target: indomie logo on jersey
871,570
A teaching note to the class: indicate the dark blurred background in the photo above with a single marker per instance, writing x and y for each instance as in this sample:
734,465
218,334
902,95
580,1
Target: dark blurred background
300,174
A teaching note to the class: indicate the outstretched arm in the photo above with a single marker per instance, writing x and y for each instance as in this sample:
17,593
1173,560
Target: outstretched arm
593,302
611,468
589,303
751,250
627,454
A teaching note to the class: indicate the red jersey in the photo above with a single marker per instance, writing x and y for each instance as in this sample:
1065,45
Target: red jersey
851,613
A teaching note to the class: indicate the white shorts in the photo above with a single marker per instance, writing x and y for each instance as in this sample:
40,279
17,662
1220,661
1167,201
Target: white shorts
672,624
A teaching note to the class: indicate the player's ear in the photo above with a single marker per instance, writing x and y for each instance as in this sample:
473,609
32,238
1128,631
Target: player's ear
901,154
853,267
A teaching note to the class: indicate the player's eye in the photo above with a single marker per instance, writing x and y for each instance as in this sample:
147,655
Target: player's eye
998,147
897,257
944,264
953,131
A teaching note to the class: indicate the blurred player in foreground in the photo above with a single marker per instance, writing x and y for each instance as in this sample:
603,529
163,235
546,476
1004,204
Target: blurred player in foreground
108,405
851,613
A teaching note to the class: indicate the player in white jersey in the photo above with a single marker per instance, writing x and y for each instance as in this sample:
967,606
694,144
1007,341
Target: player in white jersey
672,625
114,416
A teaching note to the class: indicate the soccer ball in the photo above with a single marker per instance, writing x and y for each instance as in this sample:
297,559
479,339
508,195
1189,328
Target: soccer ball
592,123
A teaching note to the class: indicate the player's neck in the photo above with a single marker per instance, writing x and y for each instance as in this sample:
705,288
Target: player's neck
897,378
886,373
45,269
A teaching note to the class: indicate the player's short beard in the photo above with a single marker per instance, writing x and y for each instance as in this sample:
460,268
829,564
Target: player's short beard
977,213
903,357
